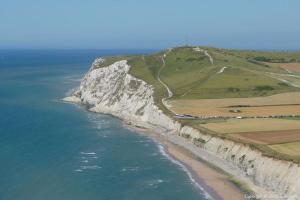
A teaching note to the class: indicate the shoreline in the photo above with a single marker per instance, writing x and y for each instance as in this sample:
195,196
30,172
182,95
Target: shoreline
210,180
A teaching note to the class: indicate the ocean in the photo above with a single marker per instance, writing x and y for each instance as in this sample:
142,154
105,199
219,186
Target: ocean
50,150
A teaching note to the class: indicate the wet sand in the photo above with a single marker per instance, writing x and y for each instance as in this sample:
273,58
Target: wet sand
212,180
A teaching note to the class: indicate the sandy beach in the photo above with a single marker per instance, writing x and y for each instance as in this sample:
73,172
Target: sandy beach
212,180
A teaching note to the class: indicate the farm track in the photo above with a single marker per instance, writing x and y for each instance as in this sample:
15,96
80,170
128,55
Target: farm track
282,77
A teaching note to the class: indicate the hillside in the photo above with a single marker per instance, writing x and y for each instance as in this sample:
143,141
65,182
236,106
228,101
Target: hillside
190,74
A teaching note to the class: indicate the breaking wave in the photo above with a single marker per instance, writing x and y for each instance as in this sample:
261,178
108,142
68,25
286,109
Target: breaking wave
183,167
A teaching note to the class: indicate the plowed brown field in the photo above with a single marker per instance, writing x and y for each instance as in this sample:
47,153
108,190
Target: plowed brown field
294,67
269,137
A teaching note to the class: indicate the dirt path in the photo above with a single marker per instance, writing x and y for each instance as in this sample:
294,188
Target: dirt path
221,70
291,79
284,78
170,93
211,60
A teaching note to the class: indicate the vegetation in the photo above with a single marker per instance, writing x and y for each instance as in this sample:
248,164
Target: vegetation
291,148
285,104
253,125
264,87
292,118
243,187
267,56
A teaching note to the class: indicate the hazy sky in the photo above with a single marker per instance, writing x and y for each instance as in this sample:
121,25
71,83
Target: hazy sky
122,24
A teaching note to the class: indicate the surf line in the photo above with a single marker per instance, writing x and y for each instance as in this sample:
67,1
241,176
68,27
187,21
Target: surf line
185,169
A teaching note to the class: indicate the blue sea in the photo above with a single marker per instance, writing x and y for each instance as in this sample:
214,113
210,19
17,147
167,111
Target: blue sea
50,150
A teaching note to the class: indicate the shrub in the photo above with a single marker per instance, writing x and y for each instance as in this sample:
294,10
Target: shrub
232,89
262,59
194,59
263,87
283,84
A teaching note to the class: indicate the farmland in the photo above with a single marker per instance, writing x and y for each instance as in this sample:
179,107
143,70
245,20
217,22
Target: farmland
270,137
292,149
275,137
289,67
279,104
254,111
293,67
252,125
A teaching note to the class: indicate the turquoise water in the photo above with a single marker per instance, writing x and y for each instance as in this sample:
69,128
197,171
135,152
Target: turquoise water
50,150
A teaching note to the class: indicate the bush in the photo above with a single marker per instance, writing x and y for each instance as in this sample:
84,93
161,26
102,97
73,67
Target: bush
263,87
194,59
232,89
262,59
283,84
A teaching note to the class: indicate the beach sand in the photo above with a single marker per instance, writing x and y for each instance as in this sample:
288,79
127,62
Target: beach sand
215,182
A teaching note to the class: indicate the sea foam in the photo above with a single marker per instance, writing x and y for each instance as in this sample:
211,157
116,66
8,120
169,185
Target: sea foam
184,168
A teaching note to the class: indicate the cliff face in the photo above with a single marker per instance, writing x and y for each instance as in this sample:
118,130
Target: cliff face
113,90
277,176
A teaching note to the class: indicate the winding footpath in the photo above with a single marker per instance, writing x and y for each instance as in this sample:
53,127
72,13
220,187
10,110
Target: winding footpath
170,93
211,60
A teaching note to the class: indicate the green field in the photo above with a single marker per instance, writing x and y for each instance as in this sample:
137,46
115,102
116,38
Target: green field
265,56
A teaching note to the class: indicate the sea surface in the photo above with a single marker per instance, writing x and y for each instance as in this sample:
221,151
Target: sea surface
50,150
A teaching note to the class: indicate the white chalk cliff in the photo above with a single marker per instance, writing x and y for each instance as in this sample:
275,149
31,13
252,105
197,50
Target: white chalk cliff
113,90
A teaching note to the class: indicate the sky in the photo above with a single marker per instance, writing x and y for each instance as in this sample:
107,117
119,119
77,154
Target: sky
149,24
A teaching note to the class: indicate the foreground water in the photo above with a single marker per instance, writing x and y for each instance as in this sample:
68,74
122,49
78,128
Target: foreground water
50,150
